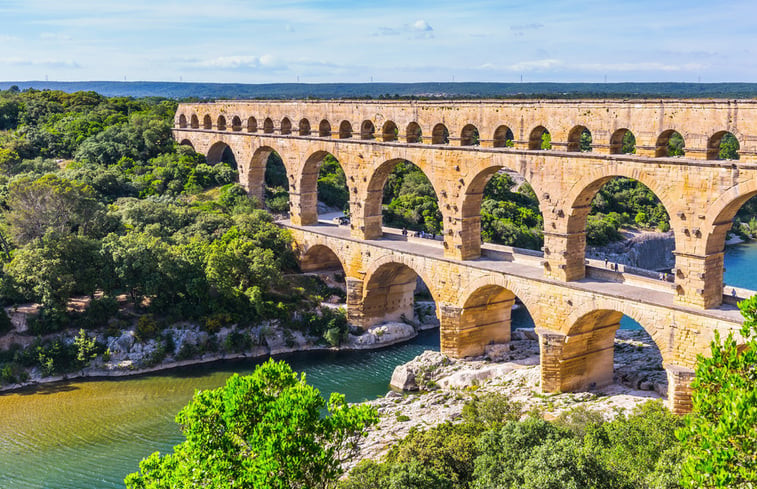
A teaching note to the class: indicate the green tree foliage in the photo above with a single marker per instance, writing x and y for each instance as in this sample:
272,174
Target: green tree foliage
55,268
276,184
410,200
720,436
633,445
729,147
263,431
676,145
624,202
494,447
332,184
511,217
51,204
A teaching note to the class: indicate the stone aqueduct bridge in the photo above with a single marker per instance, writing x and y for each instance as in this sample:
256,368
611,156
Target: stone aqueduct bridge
459,146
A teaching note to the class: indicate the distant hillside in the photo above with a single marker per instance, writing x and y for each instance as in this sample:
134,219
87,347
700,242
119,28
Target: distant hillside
401,90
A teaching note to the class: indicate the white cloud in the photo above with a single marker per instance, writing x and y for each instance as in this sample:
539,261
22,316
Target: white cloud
238,62
535,65
6,38
422,25
420,29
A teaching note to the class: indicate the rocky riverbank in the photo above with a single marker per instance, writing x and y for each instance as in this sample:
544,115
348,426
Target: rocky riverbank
433,388
640,249
187,344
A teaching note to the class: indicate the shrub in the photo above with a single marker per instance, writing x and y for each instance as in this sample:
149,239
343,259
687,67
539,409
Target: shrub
147,328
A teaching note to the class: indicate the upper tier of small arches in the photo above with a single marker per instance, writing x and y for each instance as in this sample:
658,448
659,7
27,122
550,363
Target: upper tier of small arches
695,130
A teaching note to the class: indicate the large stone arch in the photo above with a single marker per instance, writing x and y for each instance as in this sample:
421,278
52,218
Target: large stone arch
388,289
320,256
304,193
580,356
254,178
720,214
217,151
577,204
484,317
370,213
471,200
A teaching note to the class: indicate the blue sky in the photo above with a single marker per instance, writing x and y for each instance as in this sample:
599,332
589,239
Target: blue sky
386,40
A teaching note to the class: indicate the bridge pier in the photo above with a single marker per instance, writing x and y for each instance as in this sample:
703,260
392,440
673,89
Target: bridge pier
679,388
699,279
303,208
355,302
579,361
564,255
485,319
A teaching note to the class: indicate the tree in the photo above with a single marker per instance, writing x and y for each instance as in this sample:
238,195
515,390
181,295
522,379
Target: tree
720,436
51,203
263,431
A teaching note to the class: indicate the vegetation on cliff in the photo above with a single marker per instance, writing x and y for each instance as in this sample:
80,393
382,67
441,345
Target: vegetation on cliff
99,202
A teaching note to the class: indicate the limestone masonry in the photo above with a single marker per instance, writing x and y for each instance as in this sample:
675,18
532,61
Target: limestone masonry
460,145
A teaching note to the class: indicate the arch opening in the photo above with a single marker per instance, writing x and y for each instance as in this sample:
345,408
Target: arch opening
252,124
723,145
440,134
731,247
194,122
627,230
504,137
622,141
345,130
268,126
414,135
221,123
236,124
408,199
275,181
324,129
221,152
304,127
670,143
323,188
597,343
489,316
182,121
540,139
579,139
389,131
367,130
469,136
286,126
187,142
508,208
394,292
207,122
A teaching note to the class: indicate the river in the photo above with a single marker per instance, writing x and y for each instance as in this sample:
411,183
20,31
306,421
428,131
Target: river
89,434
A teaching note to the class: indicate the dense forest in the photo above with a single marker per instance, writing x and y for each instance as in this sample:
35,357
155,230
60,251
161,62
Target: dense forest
98,201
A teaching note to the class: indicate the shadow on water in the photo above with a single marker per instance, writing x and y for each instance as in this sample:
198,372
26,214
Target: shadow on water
44,389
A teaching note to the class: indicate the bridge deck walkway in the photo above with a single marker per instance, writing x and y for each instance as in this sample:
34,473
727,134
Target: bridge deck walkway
528,266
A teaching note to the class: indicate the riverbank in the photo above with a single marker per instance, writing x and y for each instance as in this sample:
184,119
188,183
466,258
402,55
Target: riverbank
433,388
126,355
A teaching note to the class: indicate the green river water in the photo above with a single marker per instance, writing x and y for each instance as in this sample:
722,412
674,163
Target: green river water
90,434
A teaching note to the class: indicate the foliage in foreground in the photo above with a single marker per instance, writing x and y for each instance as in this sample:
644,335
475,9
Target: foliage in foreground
721,433
262,431
493,448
